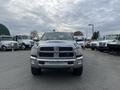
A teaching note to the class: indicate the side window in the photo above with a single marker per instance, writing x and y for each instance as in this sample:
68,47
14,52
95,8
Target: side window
119,37
14,38
19,38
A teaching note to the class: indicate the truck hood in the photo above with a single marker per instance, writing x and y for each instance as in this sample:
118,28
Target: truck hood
114,42
27,41
94,42
57,43
106,41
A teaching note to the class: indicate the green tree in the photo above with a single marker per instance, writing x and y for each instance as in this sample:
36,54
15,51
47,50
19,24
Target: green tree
96,35
4,30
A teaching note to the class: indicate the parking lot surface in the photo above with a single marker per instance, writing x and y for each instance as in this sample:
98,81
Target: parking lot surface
101,72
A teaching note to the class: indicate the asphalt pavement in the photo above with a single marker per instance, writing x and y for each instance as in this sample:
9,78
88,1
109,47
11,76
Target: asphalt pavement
101,72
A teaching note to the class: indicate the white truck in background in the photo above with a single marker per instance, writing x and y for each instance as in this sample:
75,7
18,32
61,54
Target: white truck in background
80,40
7,43
107,39
24,41
115,44
94,45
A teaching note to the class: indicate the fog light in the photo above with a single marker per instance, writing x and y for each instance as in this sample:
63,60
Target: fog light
41,62
79,61
70,62
32,62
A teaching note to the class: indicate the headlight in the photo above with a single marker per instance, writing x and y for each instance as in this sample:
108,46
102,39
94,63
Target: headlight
78,52
34,52
33,57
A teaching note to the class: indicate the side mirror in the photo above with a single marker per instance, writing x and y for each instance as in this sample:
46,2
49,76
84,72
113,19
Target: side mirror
119,38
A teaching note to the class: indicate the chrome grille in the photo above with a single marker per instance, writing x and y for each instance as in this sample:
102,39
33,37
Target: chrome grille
56,52
93,44
102,44
15,45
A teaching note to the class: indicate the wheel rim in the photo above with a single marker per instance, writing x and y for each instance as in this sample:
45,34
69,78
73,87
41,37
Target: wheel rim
4,48
23,46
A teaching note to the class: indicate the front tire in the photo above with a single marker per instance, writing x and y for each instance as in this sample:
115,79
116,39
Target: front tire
101,50
35,71
4,48
23,47
78,71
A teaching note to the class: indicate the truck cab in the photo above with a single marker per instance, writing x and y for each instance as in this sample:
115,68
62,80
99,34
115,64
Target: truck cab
80,40
7,43
103,45
24,41
94,45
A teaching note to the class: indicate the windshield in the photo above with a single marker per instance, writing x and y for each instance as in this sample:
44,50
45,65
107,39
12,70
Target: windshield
57,36
25,37
100,38
80,40
6,39
111,37
118,38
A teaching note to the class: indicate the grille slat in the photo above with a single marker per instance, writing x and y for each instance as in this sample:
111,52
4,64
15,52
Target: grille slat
42,54
46,49
66,54
65,49
102,44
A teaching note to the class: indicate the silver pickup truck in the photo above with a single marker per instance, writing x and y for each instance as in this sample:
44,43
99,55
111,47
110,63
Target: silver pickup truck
56,50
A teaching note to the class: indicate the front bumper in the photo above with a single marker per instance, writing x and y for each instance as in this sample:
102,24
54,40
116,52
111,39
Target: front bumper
103,48
115,47
94,47
56,63
28,45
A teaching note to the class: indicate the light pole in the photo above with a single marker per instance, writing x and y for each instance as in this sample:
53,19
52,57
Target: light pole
92,25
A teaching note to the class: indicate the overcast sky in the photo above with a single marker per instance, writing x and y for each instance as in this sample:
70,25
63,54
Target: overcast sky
23,16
